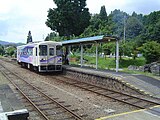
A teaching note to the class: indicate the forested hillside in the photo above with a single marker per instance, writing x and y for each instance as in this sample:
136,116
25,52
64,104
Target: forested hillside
138,33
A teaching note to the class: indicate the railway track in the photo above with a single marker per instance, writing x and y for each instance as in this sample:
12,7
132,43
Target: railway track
132,100
49,108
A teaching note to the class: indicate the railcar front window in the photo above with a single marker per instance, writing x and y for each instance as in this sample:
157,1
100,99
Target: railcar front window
59,50
43,50
51,51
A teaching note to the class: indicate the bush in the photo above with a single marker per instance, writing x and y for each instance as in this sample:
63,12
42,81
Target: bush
151,51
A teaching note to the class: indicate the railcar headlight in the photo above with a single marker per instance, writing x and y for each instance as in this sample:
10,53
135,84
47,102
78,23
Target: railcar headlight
43,59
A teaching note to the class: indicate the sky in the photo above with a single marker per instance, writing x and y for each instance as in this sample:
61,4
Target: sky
18,17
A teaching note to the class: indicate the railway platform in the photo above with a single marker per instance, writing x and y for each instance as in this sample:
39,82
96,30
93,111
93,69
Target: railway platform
142,83
143,114
9,104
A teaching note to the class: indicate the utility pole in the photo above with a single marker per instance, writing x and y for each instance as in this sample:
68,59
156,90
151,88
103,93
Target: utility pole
124,37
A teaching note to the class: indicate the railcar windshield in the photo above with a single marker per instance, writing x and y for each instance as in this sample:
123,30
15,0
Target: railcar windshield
59,50
42,50
51,51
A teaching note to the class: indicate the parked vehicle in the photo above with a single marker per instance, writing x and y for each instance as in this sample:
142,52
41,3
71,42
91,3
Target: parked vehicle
43,56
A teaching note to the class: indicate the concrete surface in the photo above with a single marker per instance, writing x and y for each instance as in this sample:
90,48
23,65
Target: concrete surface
8,99
15,115
147,85
136,115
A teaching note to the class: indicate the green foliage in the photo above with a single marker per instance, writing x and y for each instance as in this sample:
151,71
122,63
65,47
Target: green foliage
151,51
138,16
103,14
110,63
117,17
2,50
70,17
139,29
133,27
124,63
98,24
10,50
109,48
152,27
53,36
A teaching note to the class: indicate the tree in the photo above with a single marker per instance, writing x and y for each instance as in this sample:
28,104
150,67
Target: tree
103,14
10,50
98,24
69,18
151,51
2,50
152,27
117,21
109,48
130,48
133,27
138,16
51,36
29,37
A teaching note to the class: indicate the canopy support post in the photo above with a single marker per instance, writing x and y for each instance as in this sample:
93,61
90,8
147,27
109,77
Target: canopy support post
96,55
117,55
81,55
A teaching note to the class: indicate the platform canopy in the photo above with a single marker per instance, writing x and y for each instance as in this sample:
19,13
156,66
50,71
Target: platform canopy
94,40
90,40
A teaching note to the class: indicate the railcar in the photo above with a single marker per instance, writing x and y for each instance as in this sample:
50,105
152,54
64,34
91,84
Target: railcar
43,56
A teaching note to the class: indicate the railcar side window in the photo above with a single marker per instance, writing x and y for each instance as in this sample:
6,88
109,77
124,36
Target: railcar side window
51,51
30,51
59,50
43,50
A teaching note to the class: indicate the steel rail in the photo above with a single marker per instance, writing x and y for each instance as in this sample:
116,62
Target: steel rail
77,117
62,106
113,93
25,95
78,85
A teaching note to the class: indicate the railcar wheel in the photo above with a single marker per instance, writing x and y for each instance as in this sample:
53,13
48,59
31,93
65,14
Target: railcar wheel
35,68
23,65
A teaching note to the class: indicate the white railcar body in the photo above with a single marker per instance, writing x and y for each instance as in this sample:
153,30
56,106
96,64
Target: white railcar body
41,56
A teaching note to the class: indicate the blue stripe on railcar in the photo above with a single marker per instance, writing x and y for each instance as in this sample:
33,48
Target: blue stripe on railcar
26,58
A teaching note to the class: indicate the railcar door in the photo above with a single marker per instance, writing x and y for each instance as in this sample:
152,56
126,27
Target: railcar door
59,54
58,57
51,56
43,57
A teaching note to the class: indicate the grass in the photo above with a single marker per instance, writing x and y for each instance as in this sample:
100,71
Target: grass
104,63
141,73
109,63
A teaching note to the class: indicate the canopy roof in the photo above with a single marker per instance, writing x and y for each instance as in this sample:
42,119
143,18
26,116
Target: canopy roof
88,40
